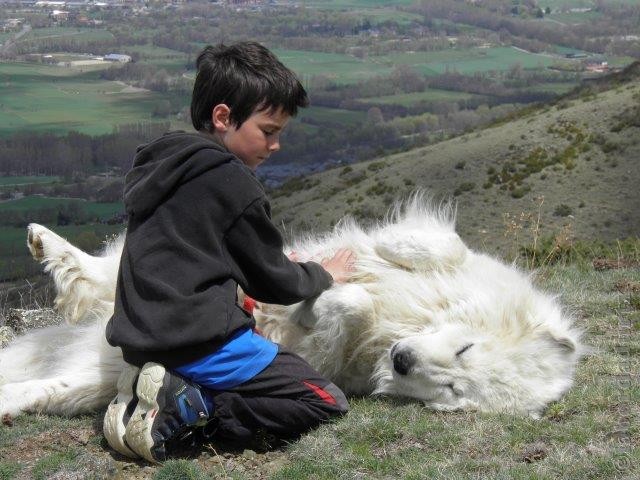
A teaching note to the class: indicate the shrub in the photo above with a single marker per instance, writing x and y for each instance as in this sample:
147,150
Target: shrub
375,166
562,210
464,187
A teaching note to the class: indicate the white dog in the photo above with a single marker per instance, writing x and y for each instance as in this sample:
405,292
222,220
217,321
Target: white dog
422,317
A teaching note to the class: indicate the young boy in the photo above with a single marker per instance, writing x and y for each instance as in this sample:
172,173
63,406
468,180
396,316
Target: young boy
199,226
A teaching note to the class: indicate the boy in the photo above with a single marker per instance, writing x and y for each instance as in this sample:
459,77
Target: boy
199,225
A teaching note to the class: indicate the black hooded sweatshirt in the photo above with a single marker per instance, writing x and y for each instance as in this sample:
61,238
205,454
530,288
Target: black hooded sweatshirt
199,225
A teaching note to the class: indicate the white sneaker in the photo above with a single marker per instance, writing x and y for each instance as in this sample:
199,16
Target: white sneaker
120,410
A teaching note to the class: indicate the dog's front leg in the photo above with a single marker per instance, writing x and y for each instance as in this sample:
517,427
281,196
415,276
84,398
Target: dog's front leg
64,395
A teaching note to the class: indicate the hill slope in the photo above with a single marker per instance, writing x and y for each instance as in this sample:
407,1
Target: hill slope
577,158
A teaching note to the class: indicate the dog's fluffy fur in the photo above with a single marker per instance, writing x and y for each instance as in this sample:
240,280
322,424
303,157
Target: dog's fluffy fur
423,316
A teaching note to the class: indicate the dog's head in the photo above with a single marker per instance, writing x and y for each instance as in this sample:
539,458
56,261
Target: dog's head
454,366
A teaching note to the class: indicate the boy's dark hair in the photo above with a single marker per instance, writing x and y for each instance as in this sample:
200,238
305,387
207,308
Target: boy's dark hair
246,77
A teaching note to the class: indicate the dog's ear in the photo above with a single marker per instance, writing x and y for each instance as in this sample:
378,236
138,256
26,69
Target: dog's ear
564,343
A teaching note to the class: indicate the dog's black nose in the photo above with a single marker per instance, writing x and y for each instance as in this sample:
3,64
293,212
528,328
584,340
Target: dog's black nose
403,360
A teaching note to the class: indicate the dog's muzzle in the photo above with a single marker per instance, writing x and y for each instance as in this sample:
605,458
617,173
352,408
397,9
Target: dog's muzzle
403,359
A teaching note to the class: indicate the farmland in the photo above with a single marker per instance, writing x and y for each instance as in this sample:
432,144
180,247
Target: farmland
382,77
344,69
98,210
58,99
22,181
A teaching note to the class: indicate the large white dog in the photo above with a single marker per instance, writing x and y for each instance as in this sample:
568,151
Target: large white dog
423,317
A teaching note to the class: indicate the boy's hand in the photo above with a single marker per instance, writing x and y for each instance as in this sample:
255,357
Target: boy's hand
340,265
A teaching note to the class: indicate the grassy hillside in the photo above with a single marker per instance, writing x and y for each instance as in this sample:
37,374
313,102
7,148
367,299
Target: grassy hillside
575,163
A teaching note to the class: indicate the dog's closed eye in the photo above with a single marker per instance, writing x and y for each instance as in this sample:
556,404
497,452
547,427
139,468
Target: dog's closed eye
464,349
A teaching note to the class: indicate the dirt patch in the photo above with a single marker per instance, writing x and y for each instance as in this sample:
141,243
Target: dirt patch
627,286
614,263
96,460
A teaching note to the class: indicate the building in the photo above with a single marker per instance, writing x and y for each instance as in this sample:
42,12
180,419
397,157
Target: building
117,57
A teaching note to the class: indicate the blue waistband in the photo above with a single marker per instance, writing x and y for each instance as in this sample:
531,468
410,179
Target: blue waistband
240,359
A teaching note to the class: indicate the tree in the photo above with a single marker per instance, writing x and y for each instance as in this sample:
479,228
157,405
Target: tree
374,115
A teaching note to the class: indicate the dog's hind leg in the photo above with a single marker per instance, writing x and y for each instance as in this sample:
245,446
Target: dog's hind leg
421,249
83,282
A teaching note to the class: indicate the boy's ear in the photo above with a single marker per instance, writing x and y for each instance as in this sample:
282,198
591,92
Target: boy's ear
220,117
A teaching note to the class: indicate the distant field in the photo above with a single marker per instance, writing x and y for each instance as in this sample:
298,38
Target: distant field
338,67
4,36
430,95
355,3
324,114
559,87
89,34
348,69
466,60
570,18
166,58
380,15
58,99
14,181
29,203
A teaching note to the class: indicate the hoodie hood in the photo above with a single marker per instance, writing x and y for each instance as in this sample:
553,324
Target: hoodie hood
166,163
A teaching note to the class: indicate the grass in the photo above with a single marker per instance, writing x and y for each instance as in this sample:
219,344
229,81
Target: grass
46,466
77,33
345,69
30,180
466,61
588,434
58,99
554,87
30,203
333,4
571,18
410,99
332,115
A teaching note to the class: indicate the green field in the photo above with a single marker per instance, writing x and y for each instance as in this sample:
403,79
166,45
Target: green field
4,36
558,87
466,61
379,15
345,69
161,57
571,18
342,69
21,181
337,115
94,209
59,99
336,4
410,99
79,34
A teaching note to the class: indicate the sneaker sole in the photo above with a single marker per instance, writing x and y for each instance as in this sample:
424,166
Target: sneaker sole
114,426
138,431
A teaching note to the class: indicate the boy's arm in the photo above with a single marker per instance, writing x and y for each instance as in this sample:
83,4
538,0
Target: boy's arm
262,269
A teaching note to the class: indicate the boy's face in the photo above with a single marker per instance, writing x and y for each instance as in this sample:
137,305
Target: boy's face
257,138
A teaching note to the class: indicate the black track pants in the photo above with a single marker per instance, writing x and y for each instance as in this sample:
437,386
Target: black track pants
286,399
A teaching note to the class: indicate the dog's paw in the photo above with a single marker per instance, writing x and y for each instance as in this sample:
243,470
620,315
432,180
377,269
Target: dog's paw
34,240
8,407
45,245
